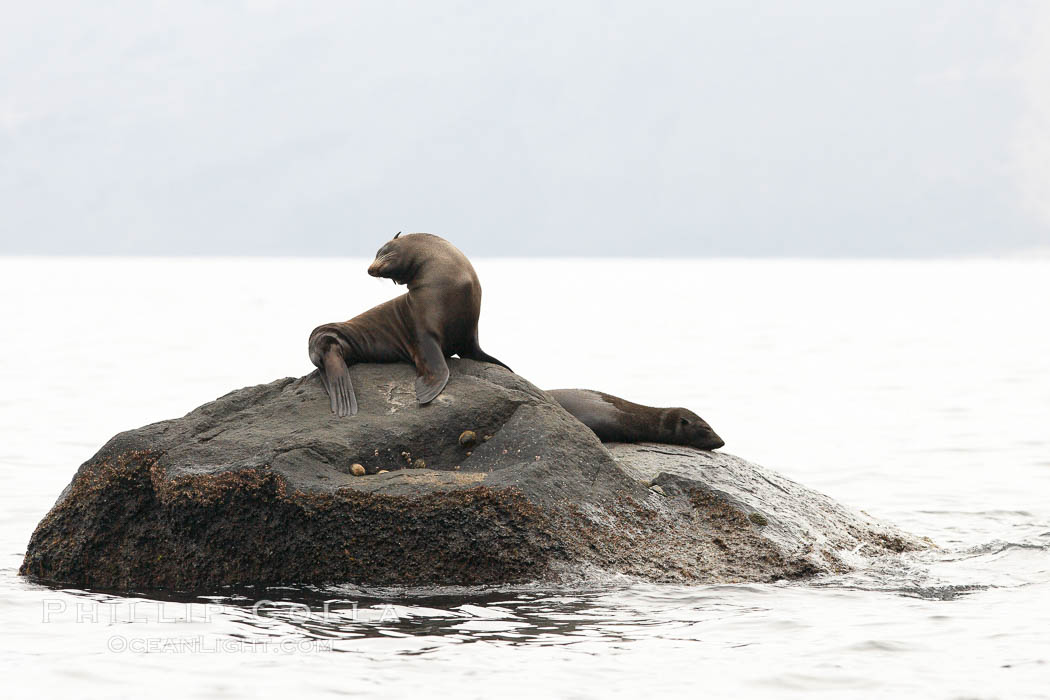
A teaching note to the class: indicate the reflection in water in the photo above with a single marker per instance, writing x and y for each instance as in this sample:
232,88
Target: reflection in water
536,615
904,611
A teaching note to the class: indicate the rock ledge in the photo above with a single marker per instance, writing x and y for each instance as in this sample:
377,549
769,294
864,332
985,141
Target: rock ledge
256,488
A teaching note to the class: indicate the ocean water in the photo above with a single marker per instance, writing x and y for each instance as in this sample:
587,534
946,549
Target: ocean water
917,391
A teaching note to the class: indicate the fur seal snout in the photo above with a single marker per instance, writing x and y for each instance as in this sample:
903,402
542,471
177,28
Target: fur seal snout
436,318
614,419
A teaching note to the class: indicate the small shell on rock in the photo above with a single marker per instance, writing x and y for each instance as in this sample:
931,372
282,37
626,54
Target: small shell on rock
419,464
655,488
382,471
357,470
487,438
468,438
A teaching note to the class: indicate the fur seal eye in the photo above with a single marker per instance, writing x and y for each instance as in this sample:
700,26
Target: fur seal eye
684,421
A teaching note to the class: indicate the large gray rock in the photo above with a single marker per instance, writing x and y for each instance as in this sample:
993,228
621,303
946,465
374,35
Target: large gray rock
256,488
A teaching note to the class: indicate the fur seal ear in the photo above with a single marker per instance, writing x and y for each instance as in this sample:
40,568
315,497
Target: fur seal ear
398,234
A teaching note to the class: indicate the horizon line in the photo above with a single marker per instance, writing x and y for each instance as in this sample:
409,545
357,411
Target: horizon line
1013,256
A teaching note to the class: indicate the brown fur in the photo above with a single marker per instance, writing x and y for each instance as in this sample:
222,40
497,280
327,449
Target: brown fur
437,318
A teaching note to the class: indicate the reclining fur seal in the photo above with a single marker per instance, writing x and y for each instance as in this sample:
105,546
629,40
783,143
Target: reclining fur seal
613,419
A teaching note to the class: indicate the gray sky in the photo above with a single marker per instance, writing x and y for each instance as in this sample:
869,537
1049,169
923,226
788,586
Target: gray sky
696,128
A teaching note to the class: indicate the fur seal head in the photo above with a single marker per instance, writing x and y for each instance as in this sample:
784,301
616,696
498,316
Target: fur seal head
686,428
403,258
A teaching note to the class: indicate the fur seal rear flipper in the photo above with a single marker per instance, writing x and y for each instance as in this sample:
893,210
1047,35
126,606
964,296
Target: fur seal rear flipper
335,376
437,318
476,353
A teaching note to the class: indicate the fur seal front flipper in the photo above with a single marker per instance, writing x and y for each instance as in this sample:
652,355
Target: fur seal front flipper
437,318
434,369
613,419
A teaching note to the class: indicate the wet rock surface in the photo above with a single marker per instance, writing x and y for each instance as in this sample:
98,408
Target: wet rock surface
263,487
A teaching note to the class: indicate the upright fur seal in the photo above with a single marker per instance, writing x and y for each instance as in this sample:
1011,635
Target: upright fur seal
615,420
437,318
